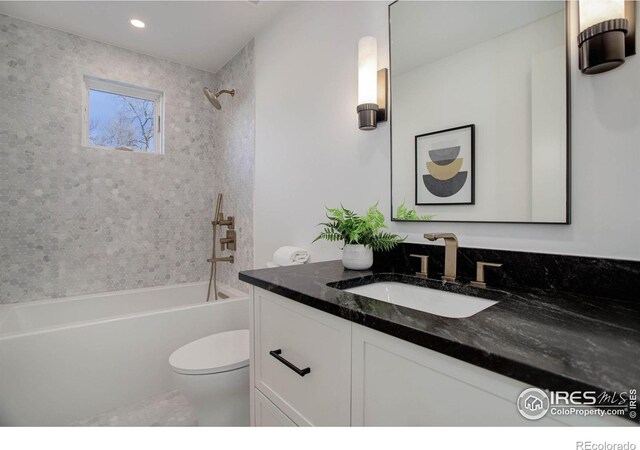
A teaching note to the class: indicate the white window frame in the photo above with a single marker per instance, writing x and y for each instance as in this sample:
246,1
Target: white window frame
130,90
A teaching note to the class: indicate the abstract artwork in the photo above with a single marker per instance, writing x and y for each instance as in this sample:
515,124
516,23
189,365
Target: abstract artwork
445,166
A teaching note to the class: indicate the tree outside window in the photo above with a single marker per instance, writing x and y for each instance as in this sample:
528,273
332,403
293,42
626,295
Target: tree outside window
121,122
122,116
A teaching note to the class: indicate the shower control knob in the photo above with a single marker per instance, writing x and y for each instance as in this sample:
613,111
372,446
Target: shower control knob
229,222
229,242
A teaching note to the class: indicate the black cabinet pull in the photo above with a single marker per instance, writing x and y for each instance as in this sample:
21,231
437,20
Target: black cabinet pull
276,354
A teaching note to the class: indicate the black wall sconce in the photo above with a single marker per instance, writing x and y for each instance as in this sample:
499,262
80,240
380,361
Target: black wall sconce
607,34
372,86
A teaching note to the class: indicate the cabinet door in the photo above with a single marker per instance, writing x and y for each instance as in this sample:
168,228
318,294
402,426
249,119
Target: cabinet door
268,415
289,335
396,383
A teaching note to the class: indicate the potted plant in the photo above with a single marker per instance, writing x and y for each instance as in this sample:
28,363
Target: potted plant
361,235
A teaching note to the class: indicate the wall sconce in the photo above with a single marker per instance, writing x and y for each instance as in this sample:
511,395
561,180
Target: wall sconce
372,86
607,34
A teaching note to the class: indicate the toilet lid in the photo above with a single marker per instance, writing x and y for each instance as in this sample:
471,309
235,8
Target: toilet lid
213,354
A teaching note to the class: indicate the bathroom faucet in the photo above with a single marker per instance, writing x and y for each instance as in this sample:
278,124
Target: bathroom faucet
450,253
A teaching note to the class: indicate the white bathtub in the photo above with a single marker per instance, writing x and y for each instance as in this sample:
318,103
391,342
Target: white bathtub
68,359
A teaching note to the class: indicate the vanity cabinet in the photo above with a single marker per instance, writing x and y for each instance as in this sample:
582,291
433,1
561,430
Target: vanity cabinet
362,377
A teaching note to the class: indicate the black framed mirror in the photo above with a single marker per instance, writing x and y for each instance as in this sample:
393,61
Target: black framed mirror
480,111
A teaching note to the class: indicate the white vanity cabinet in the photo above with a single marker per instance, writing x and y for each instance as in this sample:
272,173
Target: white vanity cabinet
362,377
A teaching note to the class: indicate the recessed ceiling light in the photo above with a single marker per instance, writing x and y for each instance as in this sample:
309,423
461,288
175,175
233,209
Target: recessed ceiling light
137,23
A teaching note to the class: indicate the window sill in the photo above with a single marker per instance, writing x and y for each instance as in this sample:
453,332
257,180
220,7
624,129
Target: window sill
122,150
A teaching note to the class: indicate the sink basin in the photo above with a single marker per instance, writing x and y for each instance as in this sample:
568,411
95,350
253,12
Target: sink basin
432,301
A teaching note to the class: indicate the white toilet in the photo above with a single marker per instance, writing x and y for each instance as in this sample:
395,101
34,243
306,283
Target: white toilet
213,373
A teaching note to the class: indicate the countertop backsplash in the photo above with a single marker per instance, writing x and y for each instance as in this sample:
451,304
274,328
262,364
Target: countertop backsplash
599,277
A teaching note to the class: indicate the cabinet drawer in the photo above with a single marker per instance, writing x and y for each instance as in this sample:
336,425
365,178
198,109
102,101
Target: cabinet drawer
268,415
290,338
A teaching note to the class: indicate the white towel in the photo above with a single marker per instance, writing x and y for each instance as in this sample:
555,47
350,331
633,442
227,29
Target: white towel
272,265
288,256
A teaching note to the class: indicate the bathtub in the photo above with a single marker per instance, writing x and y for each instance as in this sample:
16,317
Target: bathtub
64,360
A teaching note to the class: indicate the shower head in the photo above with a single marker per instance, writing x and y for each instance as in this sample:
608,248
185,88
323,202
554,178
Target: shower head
213,98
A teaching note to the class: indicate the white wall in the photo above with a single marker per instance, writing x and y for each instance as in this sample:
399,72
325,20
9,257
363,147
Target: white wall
309,151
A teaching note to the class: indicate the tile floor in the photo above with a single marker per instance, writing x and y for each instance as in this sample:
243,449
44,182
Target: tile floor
167,410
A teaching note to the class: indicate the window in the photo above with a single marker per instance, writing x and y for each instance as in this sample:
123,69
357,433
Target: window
121,116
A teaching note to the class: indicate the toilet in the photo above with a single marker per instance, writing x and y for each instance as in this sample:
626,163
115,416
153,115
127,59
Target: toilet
213,373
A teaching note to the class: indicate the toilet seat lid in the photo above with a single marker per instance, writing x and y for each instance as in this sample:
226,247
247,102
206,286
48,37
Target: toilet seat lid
213,354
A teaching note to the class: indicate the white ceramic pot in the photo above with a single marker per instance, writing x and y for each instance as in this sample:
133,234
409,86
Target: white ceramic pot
357,257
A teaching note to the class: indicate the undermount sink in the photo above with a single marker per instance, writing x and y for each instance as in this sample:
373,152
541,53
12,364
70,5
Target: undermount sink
432,301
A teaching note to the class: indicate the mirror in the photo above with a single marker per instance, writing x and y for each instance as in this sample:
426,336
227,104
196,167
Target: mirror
479,111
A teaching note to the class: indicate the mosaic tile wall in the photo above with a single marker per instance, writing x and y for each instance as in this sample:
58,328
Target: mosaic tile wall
76,220
235,125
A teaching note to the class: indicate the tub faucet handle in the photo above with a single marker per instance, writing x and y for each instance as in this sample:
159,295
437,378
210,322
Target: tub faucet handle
229,222
229,242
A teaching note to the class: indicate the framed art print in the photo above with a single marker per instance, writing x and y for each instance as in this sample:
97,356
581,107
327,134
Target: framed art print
445,167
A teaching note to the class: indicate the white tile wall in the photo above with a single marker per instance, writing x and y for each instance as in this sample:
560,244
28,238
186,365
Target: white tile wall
75,220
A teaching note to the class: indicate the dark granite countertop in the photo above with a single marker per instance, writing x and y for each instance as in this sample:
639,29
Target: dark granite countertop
552,340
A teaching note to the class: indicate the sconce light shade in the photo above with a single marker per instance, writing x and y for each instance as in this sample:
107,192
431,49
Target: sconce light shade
367,83
367,70
372,86
593,12
603,29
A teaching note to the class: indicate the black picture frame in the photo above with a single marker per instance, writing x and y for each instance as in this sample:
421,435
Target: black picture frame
472,171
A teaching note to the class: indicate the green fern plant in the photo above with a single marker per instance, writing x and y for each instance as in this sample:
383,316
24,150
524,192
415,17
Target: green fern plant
404,213
347,226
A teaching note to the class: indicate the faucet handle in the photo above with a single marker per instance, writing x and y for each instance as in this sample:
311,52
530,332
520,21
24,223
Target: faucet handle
229,242
479,281
229,222
424,265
